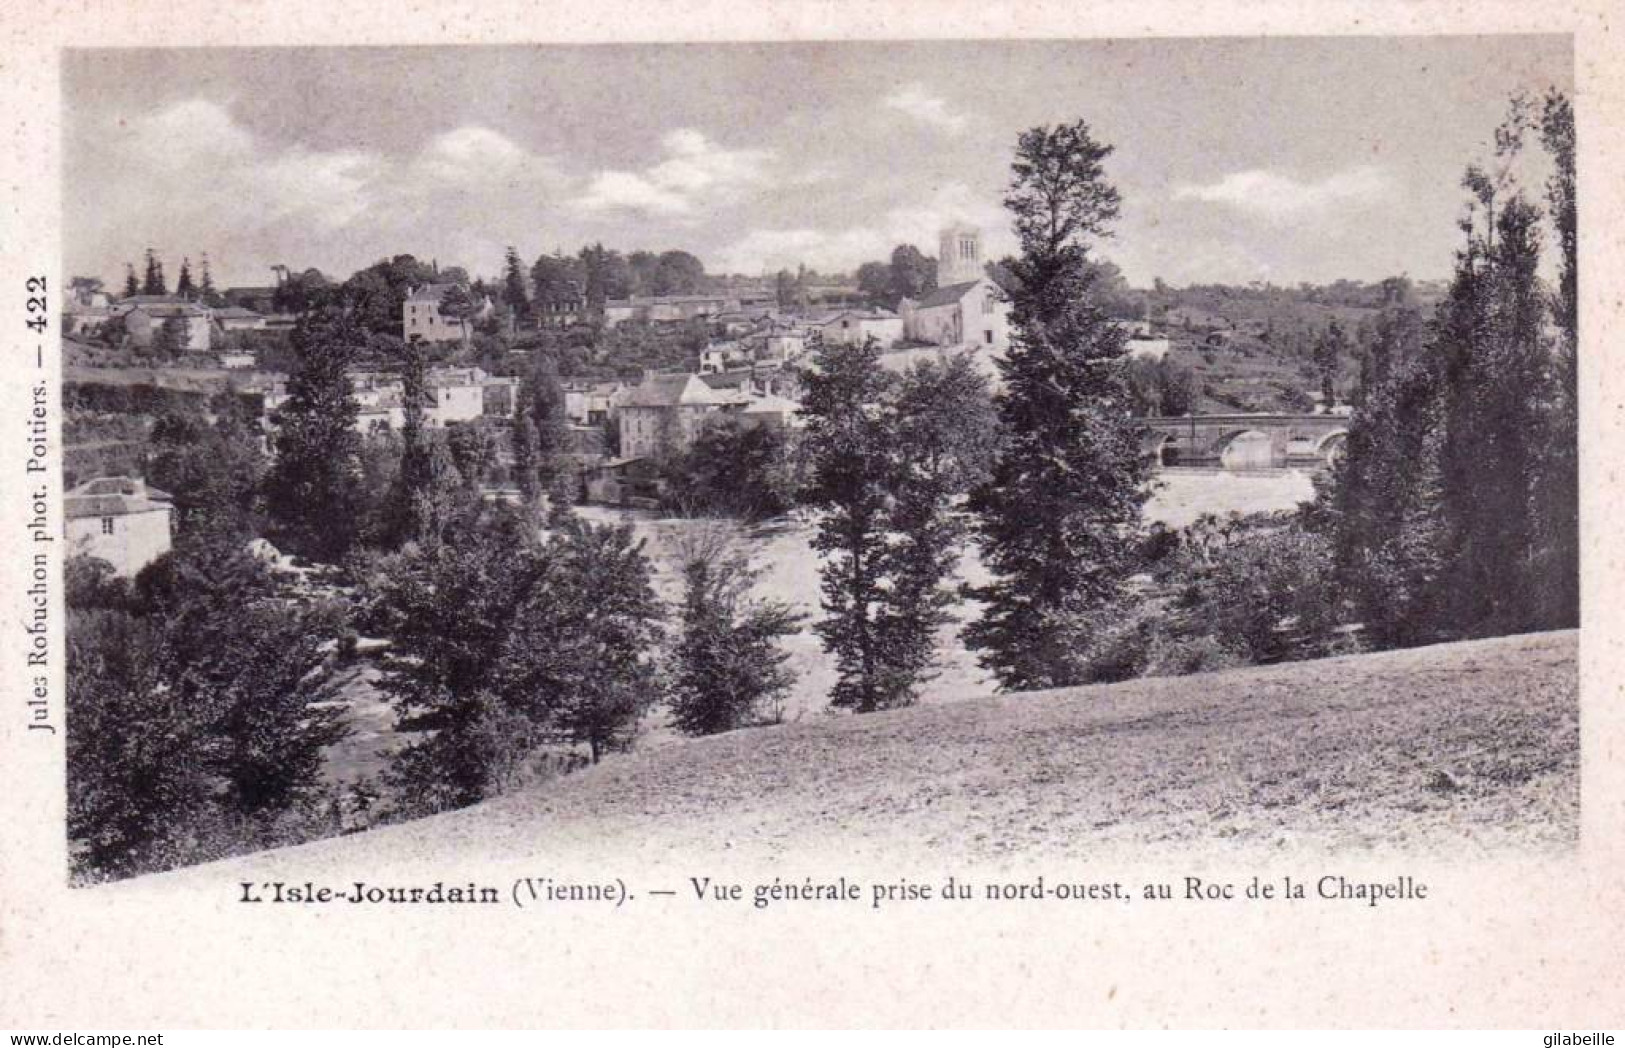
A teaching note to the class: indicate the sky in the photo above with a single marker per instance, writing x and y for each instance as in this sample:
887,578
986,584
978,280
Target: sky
1245,159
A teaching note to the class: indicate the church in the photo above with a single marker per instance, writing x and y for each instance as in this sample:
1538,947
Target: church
967,308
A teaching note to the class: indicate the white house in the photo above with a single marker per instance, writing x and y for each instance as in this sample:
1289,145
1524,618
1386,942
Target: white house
421,317
119,520
458,395
145,321
856,326
665,412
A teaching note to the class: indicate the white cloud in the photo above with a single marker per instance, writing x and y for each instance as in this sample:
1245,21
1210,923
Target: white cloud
916,101
187,169
696,172
1277,197
832,250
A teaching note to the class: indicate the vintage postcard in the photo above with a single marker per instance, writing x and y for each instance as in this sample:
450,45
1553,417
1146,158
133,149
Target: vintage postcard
827,516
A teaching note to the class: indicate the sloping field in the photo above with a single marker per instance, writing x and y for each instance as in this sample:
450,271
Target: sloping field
1455,750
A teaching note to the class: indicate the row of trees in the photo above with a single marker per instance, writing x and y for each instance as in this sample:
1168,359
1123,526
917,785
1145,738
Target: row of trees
1455,509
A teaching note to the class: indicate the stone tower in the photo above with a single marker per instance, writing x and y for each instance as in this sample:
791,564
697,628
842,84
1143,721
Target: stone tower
959,255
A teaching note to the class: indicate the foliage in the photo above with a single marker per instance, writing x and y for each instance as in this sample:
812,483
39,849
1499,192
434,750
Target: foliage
504,641
1057,520
1161,388
734,469
211,471
196,718
312,487
1454,511
153,282
888,458
727,665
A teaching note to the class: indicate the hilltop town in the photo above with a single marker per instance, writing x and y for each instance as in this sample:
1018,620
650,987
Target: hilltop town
674,360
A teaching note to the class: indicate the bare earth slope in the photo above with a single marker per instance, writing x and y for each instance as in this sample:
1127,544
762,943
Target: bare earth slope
1457,749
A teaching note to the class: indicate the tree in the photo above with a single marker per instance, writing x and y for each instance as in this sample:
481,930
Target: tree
875,283
132,286
153,284
306,291
515,292
458,304
557,279
196,718
311,489
1329,350
505,642
212,472
678,273
1057,521
1557,483
543,398
173,338
887,458
184,288
428,486
784,289
734,469
727,663
83,287
944,443
606,276
913,274
1440,505
206,289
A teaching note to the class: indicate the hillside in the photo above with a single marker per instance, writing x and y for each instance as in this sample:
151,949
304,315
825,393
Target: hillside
1455,749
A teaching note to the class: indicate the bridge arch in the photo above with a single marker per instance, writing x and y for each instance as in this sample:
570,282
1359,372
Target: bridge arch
1246,449
1332,446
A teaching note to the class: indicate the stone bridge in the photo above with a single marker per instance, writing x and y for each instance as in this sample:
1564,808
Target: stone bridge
1238,442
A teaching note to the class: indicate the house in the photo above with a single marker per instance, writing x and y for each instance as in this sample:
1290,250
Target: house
773,411
719,356
85,320
501,396
664,414
855,326
626,481
668,309
236,318
782,345
589,404
421,317
119,520
559,312
145,321
456,395
261,300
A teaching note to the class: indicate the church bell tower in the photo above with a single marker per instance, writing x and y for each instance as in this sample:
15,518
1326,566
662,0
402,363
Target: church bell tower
959,255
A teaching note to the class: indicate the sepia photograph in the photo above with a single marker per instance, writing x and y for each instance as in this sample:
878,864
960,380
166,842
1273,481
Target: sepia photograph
821,515
808,448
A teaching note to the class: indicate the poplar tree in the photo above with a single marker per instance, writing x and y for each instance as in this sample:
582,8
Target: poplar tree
153,284
515,291
1057,522
184,287
312,491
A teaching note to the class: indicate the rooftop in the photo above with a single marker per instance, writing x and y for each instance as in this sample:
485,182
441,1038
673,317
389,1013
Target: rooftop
113,497
946,296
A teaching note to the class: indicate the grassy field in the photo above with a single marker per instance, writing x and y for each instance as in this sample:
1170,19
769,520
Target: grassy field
1456,750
